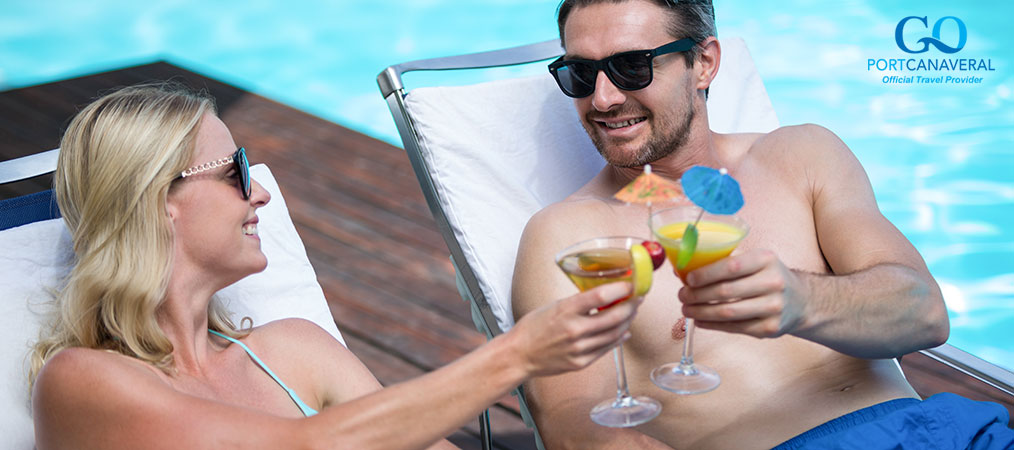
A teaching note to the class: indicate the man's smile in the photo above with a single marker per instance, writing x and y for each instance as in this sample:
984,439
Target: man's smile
612,125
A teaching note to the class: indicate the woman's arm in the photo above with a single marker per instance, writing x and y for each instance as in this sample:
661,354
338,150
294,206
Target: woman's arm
94,399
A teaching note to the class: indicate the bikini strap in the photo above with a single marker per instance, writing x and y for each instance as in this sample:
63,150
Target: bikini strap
306,409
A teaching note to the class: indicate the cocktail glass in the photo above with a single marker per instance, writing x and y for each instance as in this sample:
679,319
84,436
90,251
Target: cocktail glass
592,263
718,236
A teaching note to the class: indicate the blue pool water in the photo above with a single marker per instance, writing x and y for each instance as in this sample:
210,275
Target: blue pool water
939,155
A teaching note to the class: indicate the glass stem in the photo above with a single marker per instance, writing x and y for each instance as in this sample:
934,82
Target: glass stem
688,345
621,373
649,223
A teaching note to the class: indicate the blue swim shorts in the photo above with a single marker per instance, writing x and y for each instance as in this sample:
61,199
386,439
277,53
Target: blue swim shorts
943,421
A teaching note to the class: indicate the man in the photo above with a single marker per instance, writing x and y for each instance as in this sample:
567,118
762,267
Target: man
802,322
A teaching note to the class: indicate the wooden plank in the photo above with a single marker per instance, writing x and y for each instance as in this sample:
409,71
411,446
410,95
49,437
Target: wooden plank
424,276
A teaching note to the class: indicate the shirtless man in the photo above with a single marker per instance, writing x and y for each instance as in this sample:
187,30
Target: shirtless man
802,321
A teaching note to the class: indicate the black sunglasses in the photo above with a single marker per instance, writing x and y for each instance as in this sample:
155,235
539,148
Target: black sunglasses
629,71
242,166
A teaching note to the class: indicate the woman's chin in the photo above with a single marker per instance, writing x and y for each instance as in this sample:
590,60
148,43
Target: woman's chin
262,265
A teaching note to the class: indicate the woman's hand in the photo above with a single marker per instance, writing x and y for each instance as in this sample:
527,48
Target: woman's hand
569,334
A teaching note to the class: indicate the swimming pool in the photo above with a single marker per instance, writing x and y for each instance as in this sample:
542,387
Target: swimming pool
939,155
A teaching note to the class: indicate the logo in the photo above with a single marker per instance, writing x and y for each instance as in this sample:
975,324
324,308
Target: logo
948,35
935,40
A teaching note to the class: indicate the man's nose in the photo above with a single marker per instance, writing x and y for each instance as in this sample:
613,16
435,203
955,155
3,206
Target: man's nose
606,94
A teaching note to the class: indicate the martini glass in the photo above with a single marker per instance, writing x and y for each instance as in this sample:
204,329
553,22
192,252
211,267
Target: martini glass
593,263
718,236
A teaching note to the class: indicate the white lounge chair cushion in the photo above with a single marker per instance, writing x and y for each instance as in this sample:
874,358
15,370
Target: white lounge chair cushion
34,257
500,151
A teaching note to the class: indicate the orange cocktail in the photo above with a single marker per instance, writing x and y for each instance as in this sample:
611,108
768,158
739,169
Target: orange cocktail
716,240
717,237
604,260
594,267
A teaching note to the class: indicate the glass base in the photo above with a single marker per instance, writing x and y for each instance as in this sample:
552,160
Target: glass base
625,412
685,379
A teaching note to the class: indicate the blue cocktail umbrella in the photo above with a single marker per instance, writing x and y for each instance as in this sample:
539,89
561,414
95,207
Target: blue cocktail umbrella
714,191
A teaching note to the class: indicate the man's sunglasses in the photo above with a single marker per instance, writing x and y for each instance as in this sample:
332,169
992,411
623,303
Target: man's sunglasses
242,166
629,71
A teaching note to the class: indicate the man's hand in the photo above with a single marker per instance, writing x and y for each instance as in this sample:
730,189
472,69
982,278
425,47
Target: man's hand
872,313
751,293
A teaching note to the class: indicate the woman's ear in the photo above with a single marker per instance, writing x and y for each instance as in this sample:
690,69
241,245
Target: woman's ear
171,210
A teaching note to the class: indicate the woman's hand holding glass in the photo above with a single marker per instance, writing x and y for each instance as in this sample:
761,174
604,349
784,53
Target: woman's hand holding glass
563,336
590,264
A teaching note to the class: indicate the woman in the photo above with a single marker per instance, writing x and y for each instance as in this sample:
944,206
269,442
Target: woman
163,214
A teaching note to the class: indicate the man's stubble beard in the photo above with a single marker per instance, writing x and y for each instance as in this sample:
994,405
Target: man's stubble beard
666,137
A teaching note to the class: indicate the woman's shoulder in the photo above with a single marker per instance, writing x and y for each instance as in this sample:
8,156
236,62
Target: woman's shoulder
291,333
78,363
80,372
87,398
91,382
296,342
304,349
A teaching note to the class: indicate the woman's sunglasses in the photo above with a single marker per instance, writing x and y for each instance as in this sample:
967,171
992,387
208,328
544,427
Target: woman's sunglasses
629,71
242,166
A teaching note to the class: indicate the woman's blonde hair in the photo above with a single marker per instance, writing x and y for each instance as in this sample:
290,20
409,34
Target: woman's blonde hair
118,159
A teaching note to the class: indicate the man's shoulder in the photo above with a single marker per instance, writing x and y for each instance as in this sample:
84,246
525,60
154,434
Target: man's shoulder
806,136
790,147
536,279
575,204
566,215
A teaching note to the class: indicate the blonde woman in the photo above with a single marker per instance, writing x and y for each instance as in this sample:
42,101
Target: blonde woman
163,214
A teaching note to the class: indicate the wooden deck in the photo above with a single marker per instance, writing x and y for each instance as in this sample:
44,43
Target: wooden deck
368,232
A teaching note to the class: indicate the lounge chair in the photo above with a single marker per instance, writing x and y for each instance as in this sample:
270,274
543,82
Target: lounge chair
490,155
35,252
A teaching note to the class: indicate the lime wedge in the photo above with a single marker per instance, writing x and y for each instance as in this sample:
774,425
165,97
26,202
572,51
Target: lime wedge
643,269
688,243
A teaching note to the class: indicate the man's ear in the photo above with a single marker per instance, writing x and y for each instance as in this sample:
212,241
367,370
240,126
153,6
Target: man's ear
708,59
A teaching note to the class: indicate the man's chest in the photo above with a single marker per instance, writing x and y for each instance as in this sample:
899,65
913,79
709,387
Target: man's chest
781,219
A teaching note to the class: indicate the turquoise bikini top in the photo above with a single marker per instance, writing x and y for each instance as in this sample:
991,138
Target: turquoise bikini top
307,410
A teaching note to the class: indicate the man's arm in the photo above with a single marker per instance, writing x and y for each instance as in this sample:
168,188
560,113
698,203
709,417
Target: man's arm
880,300
560,404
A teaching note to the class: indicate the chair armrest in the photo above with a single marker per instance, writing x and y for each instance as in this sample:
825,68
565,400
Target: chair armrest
28,166
973,366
